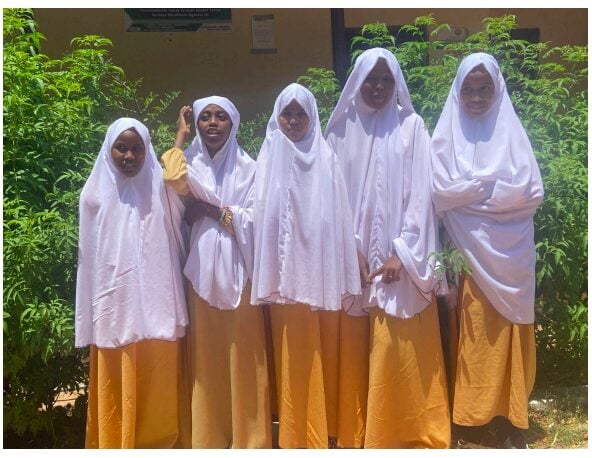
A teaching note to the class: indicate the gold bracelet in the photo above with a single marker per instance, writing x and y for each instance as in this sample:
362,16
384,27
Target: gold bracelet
226,219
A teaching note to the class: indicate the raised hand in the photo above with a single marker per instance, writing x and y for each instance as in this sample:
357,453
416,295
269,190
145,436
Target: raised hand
183,125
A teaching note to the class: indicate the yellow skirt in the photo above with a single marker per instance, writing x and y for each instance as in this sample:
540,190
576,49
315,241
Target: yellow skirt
329,323
345,352
300,385
133,396
407,394
496,363
230,398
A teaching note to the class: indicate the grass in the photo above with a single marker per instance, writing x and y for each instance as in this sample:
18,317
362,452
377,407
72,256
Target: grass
558,419
563,420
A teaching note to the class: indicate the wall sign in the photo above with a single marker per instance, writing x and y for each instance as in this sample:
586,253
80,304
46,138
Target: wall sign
263,35
177,19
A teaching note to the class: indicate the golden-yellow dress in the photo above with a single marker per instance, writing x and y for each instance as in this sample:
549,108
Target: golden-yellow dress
230,401
329,323
135,396
496,363
407,394
345,344
300,382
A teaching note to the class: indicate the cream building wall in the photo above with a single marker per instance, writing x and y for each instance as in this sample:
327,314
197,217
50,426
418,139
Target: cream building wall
200,64
205,63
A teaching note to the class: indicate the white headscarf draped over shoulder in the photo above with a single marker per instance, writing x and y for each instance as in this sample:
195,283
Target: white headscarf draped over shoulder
129,285
219,264
304,242
385,159
487,186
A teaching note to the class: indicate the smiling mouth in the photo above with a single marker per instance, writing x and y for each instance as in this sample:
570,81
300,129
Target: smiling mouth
129,169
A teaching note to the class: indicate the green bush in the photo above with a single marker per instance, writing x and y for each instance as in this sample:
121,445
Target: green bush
55,115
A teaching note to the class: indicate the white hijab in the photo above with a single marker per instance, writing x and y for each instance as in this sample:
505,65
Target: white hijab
487,186
304,242
129,284
385,159
219,264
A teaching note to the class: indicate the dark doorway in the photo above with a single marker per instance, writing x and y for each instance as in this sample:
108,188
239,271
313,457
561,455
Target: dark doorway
342,38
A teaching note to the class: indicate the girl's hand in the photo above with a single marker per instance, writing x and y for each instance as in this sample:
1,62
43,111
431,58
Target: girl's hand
197,209
183,125
364,279
389,270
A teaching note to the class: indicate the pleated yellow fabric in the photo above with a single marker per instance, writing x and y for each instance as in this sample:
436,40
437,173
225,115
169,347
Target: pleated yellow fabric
354,355
407,394
300,389
345,352
230,399
496,363
133,401
329,326
184,392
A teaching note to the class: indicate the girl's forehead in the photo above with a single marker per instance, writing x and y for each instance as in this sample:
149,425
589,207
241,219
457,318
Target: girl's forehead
293,105
478,73
381,66
129,134
213,107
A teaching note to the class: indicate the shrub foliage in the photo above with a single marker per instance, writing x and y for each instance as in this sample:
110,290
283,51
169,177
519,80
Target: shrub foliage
56,112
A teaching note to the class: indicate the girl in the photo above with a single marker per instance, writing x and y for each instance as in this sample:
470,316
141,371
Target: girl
383,148
305,261
130,304
487,186
230,399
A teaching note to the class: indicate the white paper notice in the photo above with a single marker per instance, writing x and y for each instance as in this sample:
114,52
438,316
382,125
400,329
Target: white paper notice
262,29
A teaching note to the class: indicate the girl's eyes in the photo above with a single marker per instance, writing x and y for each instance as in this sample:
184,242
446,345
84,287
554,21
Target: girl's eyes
482,90
384,80
136,149
291,114
207,116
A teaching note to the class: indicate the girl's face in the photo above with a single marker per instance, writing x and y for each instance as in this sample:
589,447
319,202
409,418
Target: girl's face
294,121
378,87
214,126
477,92
128,153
